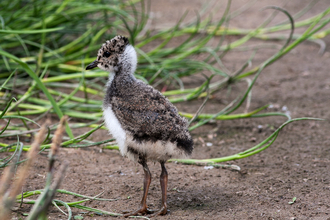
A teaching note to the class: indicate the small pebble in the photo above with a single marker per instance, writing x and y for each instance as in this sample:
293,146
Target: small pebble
208,167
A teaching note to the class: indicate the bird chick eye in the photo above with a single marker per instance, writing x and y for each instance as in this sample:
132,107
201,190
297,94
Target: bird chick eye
106,54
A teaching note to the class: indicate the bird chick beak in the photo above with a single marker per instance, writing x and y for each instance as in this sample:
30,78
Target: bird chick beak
92,65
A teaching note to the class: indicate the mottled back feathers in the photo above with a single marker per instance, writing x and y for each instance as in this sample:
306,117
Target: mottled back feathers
147,114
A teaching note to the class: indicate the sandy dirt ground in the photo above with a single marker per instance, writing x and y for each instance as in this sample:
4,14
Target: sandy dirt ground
296,165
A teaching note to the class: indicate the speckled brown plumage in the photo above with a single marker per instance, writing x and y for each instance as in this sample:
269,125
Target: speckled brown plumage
146,124
146,113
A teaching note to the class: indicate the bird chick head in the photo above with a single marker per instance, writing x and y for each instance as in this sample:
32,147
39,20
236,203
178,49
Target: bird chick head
116,55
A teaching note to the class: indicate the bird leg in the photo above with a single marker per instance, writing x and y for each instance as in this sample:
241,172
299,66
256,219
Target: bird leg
163,185
147,180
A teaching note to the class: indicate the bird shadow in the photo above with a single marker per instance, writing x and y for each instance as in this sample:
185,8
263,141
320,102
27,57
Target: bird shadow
202,198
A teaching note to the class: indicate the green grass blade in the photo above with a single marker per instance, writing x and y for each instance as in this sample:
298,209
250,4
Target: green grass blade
252,151
30,31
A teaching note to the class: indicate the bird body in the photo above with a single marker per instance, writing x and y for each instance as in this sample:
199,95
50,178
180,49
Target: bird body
145,124
151,124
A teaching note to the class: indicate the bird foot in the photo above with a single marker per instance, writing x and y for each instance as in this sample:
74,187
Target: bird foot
162,211
143,211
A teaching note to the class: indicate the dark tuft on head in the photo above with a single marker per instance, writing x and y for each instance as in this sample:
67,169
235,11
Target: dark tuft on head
111,49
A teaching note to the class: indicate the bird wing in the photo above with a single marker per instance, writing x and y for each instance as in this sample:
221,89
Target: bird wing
147,114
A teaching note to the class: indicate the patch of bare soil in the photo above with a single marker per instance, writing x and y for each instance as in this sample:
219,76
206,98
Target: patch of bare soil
296,165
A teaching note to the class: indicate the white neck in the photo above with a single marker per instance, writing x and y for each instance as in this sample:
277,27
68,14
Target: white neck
111,76
129,60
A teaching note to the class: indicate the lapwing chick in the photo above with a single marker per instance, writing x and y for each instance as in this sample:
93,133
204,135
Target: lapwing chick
145,124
